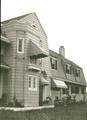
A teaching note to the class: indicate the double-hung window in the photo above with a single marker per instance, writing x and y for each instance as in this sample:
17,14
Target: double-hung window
32,82
68,69
77,72
20,45
53,63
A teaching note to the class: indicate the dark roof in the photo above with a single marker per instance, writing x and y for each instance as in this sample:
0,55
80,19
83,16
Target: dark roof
54,54
16,18
57,55
60,72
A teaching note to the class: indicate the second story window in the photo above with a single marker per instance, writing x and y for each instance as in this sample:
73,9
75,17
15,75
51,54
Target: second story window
77,72
53,63
33,61
68,69
20,45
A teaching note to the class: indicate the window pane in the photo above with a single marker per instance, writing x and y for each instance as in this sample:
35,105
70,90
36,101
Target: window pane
72,89
20,45
77,73
34,82
29,81
53,63
77,90
82,90
33,61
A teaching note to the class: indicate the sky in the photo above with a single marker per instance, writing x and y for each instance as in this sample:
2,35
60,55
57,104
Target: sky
64,21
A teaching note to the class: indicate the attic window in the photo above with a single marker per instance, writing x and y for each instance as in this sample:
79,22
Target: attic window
34,26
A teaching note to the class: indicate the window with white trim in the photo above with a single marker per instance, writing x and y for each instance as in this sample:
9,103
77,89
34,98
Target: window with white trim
20,45
77,72
53,62
32,82
68,69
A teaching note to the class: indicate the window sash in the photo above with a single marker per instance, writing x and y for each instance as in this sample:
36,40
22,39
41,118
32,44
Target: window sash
32,82
20,45
68,69
53,63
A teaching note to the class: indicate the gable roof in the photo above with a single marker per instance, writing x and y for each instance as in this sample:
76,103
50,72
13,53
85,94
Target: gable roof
23,16
15,18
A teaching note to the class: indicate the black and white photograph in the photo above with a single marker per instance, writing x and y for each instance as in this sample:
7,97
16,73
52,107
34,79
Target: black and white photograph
43,60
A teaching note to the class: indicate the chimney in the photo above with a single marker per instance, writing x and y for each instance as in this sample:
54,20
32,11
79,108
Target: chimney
62,51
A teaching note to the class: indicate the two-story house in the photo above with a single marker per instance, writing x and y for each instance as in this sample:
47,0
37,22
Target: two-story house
29,71
67,77
25,66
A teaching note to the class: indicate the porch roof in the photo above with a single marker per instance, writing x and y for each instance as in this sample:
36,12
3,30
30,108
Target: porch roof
58,83
36,51
44,81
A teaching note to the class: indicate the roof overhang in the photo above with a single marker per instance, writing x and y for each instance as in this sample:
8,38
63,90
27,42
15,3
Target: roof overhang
5,39
36,51
30,67
4,66
44,82
58,83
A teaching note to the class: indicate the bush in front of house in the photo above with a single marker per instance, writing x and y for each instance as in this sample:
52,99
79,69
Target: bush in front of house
48,101
4,102
15,103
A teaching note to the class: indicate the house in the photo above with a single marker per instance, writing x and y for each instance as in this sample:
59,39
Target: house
67,77
30,72
25,65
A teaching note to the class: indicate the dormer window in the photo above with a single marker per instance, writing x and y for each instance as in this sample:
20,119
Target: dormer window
53,63
20,45
77,72
68,69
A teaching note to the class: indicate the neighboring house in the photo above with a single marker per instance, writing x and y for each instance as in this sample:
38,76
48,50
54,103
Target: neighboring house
28,72
67,77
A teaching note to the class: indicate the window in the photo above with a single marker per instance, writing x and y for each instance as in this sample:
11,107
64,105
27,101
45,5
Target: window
36,61
64,91
34,26
82,90
68,69
32,82
20,45
72,89
77,90
53,63
77,73
33,61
